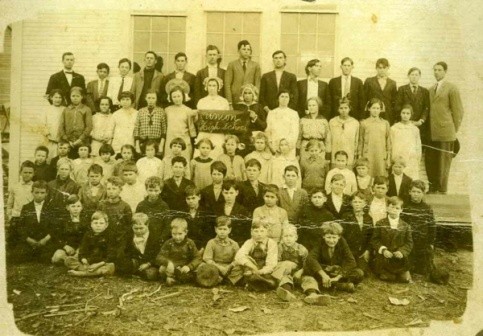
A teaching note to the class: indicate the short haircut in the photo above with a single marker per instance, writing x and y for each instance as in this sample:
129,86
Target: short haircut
175,89
232,137
180,159
279,52
333,228
115,181
192,191
153,143
205,141
125,60
260,135
281,92
223,221
345,100
414,69
98,102
77,89
152,53
253,163
317,100
42,149
419,185
130,147
258,223
40,184
96,169
361,195
337,177
100,215
86,146
381,180
68,53
53,92
271,188
179,224
130,167
310,64
153,182
151,91
394,200
443,64
212,47
72,199
228,184
314,143
178,141
289,228
106,149
398,160
360,162
180,54
103,66
140,218
374,101
316,190
126,94
291,168
345,59
64,162
63,142
243,43
341,152
409,107
382,61
218,166
27,164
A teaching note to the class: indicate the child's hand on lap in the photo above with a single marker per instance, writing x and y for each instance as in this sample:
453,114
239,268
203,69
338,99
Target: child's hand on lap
184,269
326,281
69,250
143,267
398,255
387,254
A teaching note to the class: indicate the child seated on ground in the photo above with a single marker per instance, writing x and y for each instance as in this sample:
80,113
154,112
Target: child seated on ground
378,204
142,247
291,259
178,257
42,170
97,251
329,265
93,191
270,213
392,243
419,215
81,165
133,191
341,158
219,253
338,203
256,260
200,223
68,230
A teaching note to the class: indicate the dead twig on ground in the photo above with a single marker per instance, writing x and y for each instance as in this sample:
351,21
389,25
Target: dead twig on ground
167,296
152,293
30,315
64,305
73,311
124,296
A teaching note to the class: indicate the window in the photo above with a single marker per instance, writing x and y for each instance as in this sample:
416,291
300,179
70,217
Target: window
306,36
165,35
225,30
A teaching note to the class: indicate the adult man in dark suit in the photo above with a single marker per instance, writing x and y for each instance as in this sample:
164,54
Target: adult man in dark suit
212,69
146,79
416,96
98,87
348,86
383,88
240,72
274,81
445,116
249,197
180,73
120,83
65,79
313,87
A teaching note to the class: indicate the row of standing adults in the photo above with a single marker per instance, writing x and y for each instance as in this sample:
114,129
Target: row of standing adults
438,111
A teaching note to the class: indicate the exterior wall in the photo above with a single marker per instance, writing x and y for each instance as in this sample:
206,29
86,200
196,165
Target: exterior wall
365,31
5,61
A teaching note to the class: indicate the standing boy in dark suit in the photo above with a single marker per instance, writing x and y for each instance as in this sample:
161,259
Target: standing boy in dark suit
211,196
313,87
98,87
211,70
180,61
174,188
251,191
146,79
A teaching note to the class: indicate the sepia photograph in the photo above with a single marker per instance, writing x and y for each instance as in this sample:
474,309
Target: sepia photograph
217,167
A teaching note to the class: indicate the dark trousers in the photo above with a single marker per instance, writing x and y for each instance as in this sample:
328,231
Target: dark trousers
438,157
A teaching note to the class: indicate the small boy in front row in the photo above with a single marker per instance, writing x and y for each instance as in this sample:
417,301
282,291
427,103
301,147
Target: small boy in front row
219,252
97,251
392,242
256,260
142,247
330,265
178,257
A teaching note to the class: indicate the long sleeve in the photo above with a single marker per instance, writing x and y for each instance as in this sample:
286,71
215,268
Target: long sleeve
399,101
191,126
456,107
263,89
360,146
62,135
194,256
388,141
312,265
299,138
50,85
328,137
88,124
228,81
258,76
164,124
241,257
10,201
348,262
356,141
295,93
406,248
208,252
431,226
137,125
425,112
162,257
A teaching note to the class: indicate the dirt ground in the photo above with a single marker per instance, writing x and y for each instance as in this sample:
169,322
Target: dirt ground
151,309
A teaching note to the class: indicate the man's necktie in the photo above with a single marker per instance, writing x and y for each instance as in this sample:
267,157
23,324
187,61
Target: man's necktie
244,66
120,89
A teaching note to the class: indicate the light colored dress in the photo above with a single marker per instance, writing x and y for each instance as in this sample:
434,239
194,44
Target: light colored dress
265,159
235,167
283,123
180,125
50,122
148,167
406,142
375,144
345,136
102,127
124,121
277,170
201,172
107,167
80,168
317,128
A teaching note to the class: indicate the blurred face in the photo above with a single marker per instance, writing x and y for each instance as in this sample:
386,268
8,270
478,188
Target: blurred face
289,237
56,99
112,191
278,61
316,69
405,114
314,151
75,209
178,235
149,60
230,147
178,169
217,177
318,199
104,106
176,149
290,178
252,173
416,195
313,107
129,177
126,102
259,234
382,70
151,99
245,51
212,57
83,152
27,174
68,61
248,96
126,153
394,210
340,161
346,68
212,88
284,147
204,149
94,178
397,168
362,171
102,73
380,190
439,72
153,192
230,195
124,69
337,187
358,204
63,150
150,151
222,232
75,98
106,157
270,199
331,239
180,63
63,171
344,110
140,229
40,157
414,77
375,110
98,225
193,201
283,100
39,195
260,145
177,98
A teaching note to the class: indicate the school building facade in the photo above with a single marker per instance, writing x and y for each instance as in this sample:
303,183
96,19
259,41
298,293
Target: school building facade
407,33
